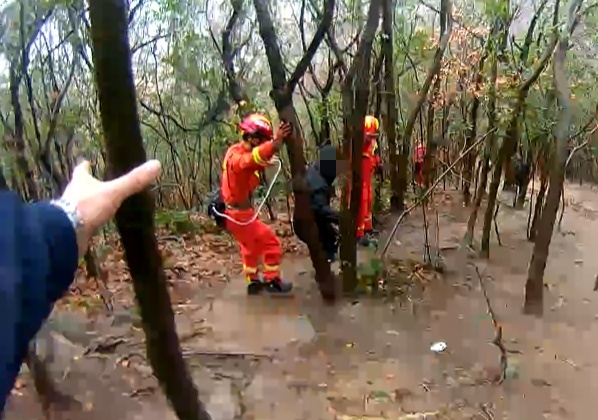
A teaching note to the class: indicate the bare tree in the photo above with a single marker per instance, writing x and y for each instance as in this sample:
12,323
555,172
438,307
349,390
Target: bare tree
390,122
419,103
534,287
282,95
135,218
355,95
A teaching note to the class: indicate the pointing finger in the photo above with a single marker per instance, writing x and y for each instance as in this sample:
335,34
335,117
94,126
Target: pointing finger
135,181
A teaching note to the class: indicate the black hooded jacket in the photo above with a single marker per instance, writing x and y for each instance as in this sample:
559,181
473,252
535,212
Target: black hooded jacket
522,169
320,177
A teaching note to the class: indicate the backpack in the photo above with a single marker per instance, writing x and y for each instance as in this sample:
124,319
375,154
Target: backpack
216,204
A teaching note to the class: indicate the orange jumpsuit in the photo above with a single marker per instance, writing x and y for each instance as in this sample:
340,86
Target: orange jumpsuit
369,163
240,177
418,160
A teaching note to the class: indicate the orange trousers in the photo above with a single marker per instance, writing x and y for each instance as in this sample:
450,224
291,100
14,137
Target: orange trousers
257,241
364,215
418,169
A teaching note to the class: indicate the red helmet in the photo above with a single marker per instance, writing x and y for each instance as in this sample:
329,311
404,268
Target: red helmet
371,125
256,125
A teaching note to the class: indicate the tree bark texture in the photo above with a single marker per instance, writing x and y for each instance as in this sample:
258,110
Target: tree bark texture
135,218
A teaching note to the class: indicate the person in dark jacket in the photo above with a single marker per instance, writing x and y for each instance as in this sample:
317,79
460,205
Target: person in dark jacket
522,174
320,176
40,246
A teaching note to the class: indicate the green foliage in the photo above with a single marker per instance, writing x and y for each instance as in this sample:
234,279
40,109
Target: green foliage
497,9
186,115
178,222
369,272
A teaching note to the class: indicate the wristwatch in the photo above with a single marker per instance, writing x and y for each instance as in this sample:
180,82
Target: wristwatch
70,209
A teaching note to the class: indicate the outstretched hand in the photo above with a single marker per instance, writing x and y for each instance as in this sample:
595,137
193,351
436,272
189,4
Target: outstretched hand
97,201
284,130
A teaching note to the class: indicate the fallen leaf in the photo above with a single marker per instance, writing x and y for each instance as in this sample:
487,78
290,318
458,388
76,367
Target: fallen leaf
379,395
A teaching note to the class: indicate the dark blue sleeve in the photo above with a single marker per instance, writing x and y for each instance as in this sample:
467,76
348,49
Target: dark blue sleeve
320,205
38,259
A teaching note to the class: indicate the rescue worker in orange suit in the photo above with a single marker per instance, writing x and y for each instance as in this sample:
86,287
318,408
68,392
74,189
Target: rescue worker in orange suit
418,163
240,177
369,164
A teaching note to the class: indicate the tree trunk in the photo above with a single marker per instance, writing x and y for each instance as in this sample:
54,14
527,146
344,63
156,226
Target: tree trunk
509,145
431,146
504,161
433,71
500,26
325,133
534,287
492,196
281,94
377,205
479,197
485,165
533,232
469,161
135,218
355,98
17,142
390,122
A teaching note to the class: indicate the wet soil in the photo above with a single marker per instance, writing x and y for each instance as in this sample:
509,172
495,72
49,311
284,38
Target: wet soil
294,358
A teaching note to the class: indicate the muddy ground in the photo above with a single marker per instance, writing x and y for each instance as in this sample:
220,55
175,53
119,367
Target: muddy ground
293,358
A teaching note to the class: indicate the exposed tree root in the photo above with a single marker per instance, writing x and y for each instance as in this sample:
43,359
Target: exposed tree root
498,331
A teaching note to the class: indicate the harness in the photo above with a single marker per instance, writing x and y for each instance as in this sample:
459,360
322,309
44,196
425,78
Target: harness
220,212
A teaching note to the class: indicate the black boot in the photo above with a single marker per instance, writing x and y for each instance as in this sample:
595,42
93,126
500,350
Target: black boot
278,286
254,286
363,241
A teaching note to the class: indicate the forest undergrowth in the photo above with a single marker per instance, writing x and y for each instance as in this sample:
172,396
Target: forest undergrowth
429,304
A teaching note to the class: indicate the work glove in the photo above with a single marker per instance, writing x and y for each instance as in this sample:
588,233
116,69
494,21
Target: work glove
284,130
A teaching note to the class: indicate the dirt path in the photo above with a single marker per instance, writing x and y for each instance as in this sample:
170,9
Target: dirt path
292,358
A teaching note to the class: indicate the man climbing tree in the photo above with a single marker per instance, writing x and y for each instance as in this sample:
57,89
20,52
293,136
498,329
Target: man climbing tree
522,175
240,177
369,163
320,177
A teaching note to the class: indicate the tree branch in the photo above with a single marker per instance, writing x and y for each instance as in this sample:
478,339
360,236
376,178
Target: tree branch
149,42
228,53
430,190
314,45
580,146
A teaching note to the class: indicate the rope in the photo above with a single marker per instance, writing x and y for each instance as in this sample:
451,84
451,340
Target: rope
274,160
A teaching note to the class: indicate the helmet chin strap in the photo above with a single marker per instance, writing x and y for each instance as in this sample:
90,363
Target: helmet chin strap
255,142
